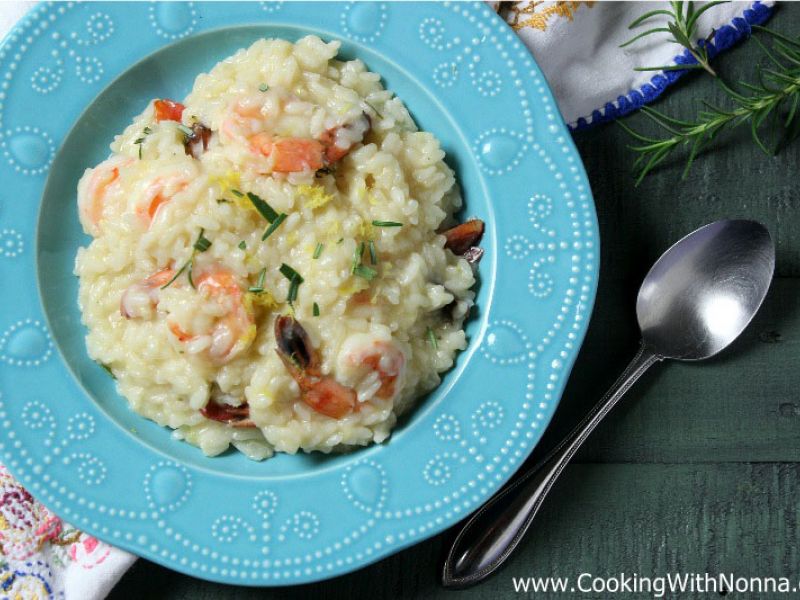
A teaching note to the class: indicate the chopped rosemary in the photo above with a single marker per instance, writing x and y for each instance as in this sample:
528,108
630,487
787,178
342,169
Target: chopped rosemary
380,116
295,279
273,226
140,140
203,243
315,310
387,224
186,131
178,274
263,87
365,272
259,286
242,245
264,209
237,193
340,240
318,251
432,339
110,372
292,295
223,201
200,245
373,255
290,273
357,257
189,272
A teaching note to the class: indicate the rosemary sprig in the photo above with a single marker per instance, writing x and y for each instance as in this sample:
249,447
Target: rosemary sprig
776,94
681,25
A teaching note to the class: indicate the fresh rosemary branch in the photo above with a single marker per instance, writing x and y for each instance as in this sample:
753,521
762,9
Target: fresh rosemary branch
681,25
776,95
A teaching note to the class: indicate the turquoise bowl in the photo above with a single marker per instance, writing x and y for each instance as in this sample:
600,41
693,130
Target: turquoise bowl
76,74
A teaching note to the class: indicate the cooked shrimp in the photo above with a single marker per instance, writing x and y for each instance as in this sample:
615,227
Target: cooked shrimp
244,121
255,122
160,191
320,392
168,110
289,155
261,143
463,239
197,143
233,331
235,416
292,155
139,300
93,189
373,364
340,140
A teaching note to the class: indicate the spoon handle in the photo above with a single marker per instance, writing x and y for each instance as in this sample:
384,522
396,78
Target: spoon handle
495,530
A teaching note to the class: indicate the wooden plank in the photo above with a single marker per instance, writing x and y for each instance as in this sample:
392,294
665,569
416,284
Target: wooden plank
743,405
601,519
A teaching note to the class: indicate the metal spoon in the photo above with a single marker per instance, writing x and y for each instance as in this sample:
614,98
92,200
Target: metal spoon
697,299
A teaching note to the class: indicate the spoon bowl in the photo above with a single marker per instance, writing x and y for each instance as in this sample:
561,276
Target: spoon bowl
701,294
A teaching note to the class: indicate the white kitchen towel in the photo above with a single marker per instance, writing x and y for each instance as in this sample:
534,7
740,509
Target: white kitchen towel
577,45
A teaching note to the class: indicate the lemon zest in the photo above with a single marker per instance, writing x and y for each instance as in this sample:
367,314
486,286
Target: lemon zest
352,286
249,335
333,229
229,181
314,196
365,230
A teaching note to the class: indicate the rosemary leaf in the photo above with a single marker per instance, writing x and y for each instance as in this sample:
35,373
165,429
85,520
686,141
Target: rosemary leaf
264,209
432,339
178,274
273,226
680,24
365,272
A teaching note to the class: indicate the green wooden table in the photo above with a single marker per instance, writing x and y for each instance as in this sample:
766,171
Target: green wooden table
699,469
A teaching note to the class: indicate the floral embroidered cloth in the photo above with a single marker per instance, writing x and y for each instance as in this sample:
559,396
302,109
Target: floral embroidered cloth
43,557
577,46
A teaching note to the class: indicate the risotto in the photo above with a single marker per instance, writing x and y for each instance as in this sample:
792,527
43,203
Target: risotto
274,263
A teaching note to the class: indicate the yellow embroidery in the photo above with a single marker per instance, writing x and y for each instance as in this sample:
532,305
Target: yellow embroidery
529,15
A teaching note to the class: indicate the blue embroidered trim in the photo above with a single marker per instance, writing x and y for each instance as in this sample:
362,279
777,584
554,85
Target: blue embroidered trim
725,37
